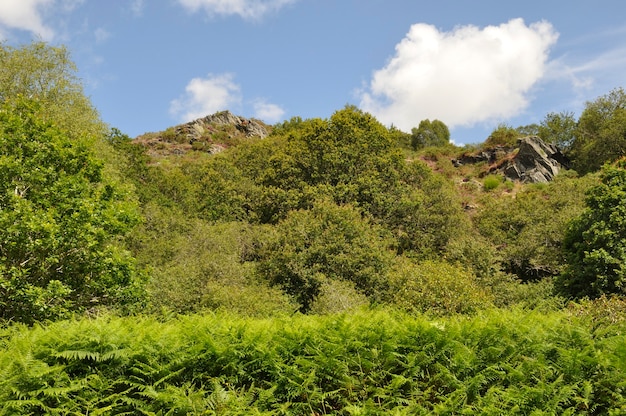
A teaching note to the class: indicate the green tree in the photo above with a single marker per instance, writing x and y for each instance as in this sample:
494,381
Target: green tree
351,159
327,243
601,132
59,222
595,243
47,74
558,128
430,133
503,135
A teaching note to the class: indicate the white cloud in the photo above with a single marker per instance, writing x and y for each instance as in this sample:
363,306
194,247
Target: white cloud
247,9
460,77
136,7
204,96
25,15
270,113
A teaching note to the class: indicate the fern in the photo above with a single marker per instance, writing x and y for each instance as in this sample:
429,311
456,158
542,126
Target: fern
375,362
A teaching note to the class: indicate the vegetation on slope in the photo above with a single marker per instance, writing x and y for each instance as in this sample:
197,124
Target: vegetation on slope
344,219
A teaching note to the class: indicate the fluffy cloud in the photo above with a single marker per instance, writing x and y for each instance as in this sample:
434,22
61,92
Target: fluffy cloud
25,15
205,96
270,113
248,9
460,77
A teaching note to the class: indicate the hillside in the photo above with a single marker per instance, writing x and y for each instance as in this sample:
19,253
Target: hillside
211,134
317,266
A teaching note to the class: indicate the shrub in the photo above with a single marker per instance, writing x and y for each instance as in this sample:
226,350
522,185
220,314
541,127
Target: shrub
435,287
60,219
595,243
503,135
327,243
491,182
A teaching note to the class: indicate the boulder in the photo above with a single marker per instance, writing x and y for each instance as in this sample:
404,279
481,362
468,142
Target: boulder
535,161
530,161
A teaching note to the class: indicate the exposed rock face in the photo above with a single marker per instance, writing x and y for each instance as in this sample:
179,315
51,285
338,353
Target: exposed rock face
196,129
211,134
535,161
488,156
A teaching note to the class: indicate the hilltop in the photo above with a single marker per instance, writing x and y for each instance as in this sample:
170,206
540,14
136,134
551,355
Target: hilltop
211,134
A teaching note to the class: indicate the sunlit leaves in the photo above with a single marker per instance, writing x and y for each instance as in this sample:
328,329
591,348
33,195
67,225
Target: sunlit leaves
595,243
58,221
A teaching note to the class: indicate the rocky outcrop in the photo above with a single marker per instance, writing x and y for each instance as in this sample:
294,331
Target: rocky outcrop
211,134
531,161
201,127
487,156
534,162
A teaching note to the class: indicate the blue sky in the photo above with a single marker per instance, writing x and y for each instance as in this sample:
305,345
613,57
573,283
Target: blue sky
151,64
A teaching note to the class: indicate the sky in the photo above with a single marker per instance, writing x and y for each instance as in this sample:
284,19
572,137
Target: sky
151,64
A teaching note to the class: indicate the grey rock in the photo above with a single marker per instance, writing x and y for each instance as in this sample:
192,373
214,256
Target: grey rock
535,161
194,130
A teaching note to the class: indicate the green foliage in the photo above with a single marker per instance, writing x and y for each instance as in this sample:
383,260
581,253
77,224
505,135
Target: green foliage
595,243
601,132
47,74
498,362
59,220
503,135
528,130
558,128
528,229
197,265
430,133
325,244
350,159
491,182
436,287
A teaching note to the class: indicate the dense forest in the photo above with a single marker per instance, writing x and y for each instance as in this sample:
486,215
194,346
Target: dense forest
329,266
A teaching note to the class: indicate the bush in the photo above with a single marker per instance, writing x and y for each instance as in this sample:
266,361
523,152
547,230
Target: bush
595,243
436,287
491,182
503,135
324,244
60,221
197,266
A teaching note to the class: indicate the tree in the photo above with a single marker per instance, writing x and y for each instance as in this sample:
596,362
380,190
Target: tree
430,133
558,128
327,243
47,74
503,135
601,132
595,243
59,222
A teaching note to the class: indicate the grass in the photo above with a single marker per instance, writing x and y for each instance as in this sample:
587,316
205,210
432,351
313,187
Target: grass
369,362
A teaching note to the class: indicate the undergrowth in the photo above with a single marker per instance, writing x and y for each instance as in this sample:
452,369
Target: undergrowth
364,363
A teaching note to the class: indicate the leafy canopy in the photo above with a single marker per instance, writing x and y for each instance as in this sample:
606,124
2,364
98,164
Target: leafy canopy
595,243
326,243
46,73
59,219
601,132
430,133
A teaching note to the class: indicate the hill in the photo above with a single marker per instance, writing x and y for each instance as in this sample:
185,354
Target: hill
212,134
